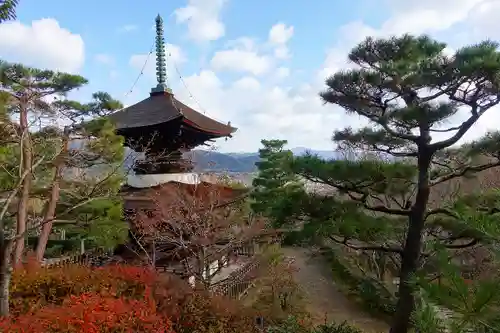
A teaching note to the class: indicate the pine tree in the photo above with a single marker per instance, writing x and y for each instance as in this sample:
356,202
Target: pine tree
275,184
39,185
98,165
8,10
409,91
27,89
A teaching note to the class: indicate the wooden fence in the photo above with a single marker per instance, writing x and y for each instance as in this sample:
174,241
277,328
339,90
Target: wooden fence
245,250
236,284
90,259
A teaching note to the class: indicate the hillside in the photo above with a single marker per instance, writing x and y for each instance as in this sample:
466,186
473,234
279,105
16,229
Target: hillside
220,162
240,162
208,160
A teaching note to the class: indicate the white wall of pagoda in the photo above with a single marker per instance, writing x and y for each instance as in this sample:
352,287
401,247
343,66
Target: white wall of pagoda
145,181
193,178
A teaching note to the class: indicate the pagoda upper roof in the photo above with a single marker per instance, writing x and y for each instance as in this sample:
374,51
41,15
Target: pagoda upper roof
163,107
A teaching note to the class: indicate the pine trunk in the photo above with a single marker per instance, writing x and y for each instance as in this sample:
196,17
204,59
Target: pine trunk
5,272
50,210
411,252
24,195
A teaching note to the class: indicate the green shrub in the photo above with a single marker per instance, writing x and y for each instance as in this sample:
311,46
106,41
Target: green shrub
335,328
290,325
372,294
57,246
294,325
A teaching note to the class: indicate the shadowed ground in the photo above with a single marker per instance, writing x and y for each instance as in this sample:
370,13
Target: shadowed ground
325,300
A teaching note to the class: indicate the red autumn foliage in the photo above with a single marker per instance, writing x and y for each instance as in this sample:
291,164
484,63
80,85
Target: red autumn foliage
34,287
116,299
91,313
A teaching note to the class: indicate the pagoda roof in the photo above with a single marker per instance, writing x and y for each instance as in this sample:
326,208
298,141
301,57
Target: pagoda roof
163,107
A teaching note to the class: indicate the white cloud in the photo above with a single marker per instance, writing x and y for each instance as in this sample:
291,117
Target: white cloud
260,109
267,102
282,52
483,21
283,72
246,55
241,61
43,43
203,19
105,59
279,35
460,22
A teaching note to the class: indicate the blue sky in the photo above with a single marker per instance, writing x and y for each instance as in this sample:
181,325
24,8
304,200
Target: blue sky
235,69
103,26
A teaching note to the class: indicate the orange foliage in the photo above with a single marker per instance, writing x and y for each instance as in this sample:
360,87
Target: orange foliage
91,313
34,287
116,299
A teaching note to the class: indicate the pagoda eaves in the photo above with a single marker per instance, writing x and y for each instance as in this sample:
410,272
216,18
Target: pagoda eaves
161,108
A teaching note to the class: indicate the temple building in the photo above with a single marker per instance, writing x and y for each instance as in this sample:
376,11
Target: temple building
163,128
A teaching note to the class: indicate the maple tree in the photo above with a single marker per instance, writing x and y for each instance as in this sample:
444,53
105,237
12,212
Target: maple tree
195,225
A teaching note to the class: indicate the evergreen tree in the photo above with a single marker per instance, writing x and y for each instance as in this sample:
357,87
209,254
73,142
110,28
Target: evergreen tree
28,89
409,91
8,10
47,177
93,171
275,185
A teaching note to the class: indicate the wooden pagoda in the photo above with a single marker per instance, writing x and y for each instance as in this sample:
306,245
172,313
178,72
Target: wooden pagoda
162,127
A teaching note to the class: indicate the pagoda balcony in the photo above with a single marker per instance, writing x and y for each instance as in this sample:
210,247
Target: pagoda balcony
162,166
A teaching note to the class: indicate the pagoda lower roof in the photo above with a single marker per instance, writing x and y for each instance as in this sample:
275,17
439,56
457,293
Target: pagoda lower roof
162,108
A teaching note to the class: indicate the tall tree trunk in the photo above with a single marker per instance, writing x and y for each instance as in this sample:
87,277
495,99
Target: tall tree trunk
411,252
5,272
50,209
24,194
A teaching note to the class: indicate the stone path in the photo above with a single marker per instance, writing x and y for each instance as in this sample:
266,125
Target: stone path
324,299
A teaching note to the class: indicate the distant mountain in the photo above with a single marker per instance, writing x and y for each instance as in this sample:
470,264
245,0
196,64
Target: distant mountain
220,162
325,154
207,160
242,162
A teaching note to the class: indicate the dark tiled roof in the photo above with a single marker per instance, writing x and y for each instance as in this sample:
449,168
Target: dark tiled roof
162,108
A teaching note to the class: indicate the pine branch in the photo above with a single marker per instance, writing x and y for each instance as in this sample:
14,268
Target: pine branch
379,208
464,171
462,246
466,125
8,10
381,248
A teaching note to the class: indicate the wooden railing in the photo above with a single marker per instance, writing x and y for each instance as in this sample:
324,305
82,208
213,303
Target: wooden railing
236,284
245,250
90,259
66,260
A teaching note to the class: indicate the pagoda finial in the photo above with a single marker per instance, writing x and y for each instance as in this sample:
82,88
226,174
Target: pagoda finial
161,64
